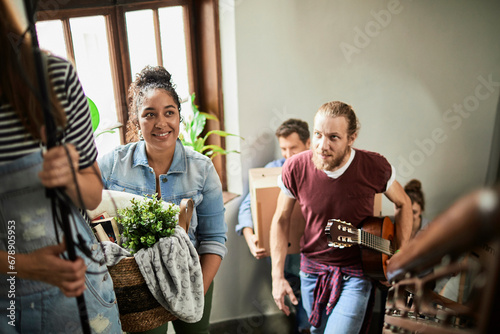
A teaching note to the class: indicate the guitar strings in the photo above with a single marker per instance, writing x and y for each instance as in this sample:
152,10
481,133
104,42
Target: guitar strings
367,239
372,241
376,242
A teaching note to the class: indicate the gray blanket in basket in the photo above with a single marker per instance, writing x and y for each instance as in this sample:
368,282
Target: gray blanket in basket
172,271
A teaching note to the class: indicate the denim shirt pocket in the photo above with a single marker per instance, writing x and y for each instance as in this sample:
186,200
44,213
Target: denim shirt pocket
118,185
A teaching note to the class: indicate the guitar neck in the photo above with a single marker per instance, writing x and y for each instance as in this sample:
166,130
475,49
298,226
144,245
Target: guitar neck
375,242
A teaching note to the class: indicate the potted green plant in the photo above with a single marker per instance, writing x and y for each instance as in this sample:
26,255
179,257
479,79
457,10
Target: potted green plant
193,127
143,223
146,221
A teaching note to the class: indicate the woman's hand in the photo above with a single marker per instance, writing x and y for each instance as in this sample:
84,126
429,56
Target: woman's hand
58,166
45,264
59,163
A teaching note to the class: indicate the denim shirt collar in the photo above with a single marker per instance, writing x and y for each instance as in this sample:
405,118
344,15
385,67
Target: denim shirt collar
179,163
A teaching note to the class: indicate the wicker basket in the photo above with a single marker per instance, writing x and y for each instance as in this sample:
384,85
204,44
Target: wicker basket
139,310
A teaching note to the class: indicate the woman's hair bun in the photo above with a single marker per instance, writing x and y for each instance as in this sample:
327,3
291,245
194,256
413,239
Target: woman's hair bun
414,190
153,75
413,185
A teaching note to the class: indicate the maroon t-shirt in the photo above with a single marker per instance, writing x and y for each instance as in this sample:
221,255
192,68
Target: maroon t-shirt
350,198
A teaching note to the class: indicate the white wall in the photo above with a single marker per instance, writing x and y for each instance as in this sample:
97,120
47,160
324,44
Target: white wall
405,67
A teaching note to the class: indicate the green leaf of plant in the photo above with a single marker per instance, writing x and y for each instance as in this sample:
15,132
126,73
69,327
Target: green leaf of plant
94,114
197,128
194,129
214,148
220,133
209,116
198,144
107,131
193,105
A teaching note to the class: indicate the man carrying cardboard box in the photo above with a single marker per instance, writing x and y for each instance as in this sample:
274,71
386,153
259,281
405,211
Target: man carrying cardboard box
293,137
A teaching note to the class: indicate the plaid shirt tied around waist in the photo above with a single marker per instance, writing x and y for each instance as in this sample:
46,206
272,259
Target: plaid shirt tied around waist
328,287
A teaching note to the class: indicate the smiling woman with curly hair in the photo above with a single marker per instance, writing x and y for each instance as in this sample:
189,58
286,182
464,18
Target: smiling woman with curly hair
159,164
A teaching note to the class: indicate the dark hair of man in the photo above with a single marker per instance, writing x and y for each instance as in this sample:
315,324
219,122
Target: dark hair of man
150,78
414,190
294,125
337,109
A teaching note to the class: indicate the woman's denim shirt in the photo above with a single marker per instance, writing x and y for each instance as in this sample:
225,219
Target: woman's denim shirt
191,175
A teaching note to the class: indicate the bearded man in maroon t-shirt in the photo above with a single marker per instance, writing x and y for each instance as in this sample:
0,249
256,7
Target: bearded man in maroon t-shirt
333,180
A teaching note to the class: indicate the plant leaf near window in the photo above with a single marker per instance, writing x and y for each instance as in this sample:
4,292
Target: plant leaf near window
193,128
94,115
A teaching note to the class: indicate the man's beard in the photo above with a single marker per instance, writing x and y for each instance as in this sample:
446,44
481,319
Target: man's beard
330,165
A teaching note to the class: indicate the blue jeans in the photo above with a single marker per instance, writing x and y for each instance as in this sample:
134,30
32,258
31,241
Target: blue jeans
50,311
348,314
29,306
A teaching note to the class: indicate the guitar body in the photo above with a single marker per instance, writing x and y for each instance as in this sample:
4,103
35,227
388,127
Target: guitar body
374,262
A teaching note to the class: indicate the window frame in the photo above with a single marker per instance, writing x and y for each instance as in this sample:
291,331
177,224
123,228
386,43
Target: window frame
202,49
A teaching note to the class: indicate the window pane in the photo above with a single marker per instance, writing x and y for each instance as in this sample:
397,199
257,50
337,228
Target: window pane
141,40
94,70
51,37
173,44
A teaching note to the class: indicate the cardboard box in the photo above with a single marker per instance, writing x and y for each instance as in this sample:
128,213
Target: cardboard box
264,193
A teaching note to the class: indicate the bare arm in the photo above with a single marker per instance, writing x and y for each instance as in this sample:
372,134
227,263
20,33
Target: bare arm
210,264
280,227
57,173
404,217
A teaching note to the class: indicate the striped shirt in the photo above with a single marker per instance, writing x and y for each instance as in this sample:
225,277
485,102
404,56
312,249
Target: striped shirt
16,142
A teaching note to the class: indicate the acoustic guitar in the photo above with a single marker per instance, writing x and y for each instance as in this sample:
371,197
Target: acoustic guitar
375,238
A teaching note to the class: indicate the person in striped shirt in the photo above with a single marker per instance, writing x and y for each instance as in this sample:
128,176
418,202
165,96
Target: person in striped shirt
35,276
